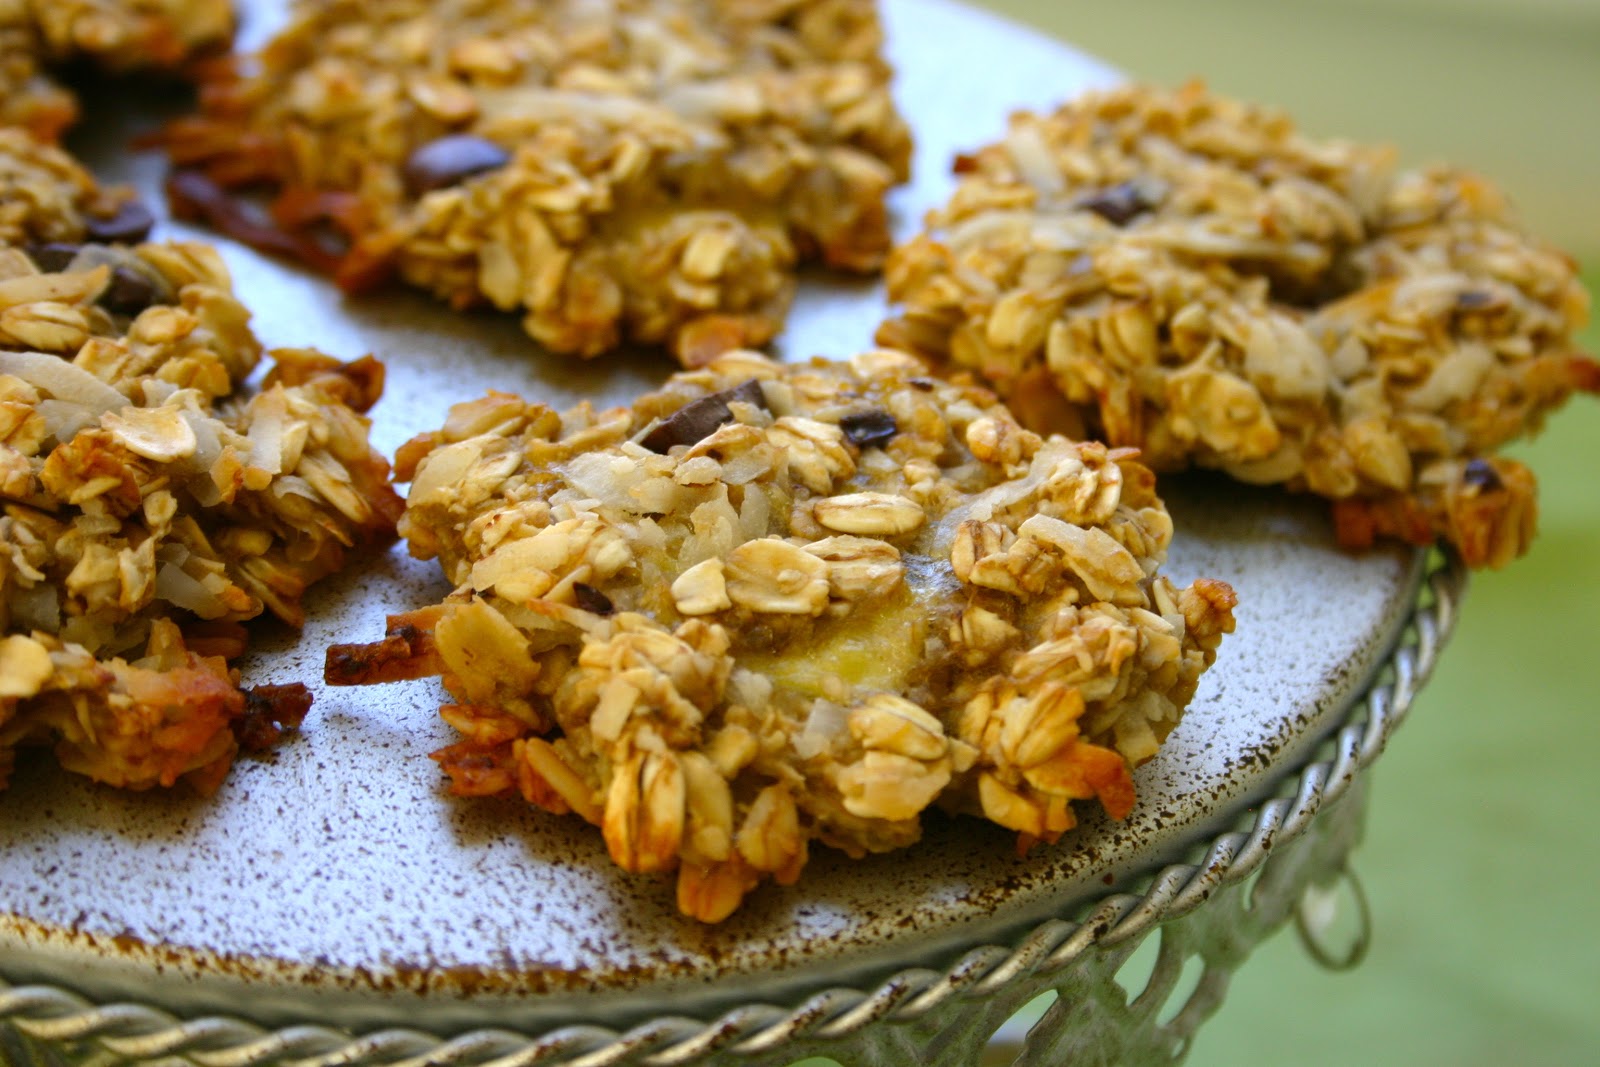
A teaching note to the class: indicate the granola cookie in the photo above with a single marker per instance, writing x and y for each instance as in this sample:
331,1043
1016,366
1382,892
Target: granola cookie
1191,276
116,35
622,170
774,605
147,505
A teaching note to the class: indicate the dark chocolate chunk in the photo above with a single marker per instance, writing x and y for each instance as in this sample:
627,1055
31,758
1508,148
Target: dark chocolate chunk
1119,205
1474,300
130,292
131,224
444,162
1480,474
53,258
699,419
591,599
868,428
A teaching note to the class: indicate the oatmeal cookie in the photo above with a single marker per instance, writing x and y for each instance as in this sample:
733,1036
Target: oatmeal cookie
774,605
115,35
147,505
1191,276
624,170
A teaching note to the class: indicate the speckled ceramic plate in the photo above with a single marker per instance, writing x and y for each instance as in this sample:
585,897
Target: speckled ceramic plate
338,882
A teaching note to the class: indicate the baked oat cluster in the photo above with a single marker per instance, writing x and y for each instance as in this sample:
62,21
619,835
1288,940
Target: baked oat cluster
771,605
616,170
147,507
1191,276
117,35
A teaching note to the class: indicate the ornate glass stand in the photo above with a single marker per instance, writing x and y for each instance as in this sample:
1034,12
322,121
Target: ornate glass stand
1205,915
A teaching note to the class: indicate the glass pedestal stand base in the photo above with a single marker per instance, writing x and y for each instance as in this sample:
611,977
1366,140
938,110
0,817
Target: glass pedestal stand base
1205,915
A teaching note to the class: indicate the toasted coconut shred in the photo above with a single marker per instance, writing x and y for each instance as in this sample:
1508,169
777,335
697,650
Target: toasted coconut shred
776,605
1191,276
149,505
623,170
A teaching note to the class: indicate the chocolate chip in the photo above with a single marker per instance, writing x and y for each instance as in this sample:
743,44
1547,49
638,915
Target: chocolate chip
1119,205
1474,300
591,599
130,225
699,419
448,160
1481,475
926,385
53,258
130,292
868,428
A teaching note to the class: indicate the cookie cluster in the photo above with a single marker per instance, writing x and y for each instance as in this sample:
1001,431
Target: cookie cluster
768,606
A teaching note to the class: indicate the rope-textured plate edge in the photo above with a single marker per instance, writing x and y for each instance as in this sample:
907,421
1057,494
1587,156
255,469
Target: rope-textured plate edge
53,1015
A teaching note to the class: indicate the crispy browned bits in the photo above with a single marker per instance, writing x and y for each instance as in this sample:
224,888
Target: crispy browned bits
773,632
624,170
116,35
147,507
1191,276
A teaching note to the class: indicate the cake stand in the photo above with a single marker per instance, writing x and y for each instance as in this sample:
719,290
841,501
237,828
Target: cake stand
335,907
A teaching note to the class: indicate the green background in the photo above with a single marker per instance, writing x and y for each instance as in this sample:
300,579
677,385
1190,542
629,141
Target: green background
1482,854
